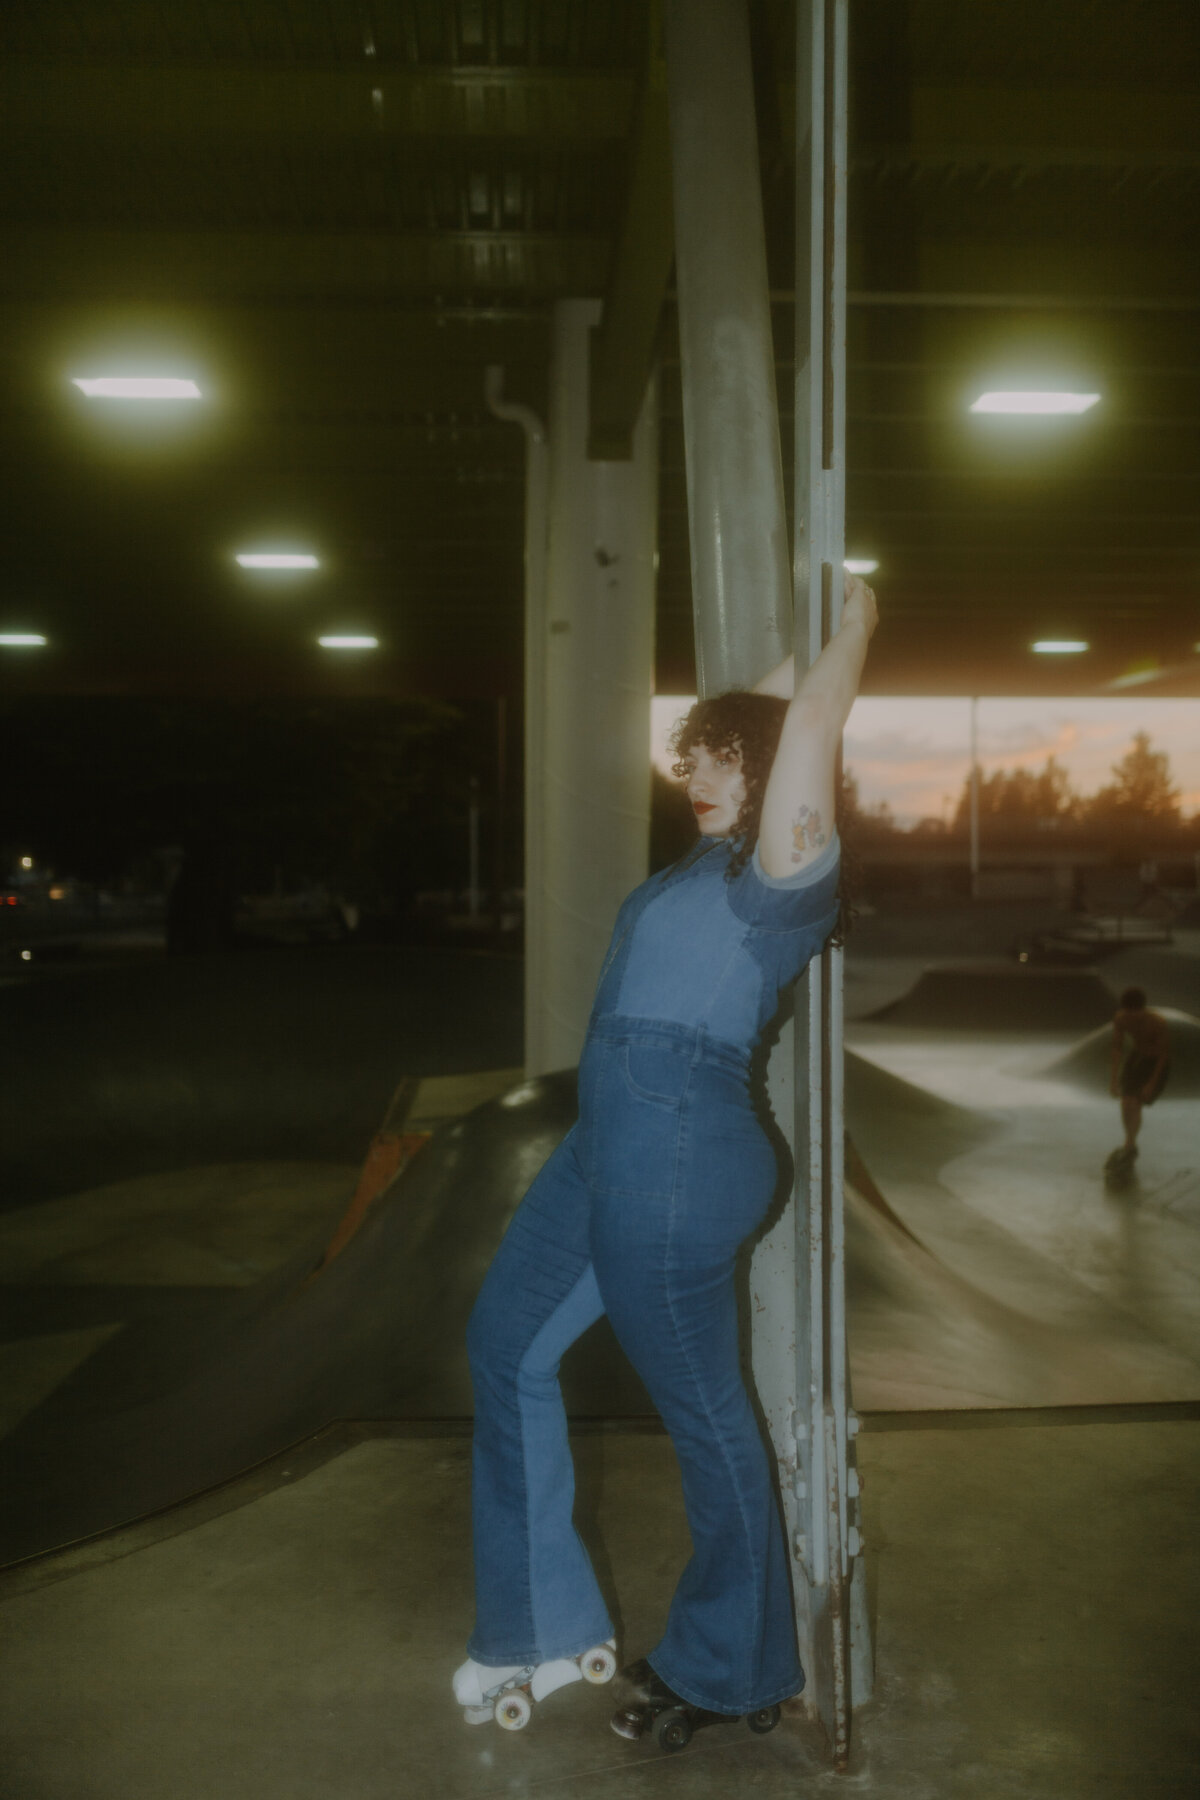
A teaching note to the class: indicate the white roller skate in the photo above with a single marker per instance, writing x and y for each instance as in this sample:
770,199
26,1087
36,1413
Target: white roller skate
507,1694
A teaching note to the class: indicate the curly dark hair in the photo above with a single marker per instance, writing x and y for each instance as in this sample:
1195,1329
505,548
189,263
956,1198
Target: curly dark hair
750,724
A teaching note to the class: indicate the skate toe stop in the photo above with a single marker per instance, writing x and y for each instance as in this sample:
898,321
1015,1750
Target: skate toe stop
628,1723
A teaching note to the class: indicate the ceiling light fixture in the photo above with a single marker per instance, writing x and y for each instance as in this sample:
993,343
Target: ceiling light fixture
136,387
277,559
348,643
1060,646
1033,401
860,565
13,639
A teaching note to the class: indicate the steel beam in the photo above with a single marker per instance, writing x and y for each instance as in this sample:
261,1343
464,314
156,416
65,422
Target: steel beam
123,100
61,263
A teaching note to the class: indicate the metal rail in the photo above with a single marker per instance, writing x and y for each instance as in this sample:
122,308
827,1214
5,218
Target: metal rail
828,1539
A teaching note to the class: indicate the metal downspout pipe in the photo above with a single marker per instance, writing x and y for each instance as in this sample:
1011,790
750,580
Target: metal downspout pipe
536,519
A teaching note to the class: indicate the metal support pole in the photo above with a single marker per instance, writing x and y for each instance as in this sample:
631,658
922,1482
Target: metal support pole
828,1540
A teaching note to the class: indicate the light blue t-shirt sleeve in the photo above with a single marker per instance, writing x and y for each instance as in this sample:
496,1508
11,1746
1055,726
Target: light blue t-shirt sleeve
805,898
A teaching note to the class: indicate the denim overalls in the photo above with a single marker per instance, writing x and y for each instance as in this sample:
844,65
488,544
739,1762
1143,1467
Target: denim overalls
639,1214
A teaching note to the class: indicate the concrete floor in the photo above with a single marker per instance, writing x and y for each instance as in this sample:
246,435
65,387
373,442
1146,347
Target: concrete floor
1034,1589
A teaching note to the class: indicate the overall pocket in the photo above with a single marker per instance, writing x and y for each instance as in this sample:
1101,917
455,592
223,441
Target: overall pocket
657,1073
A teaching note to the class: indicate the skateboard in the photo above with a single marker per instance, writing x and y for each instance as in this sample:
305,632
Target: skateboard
1119,1169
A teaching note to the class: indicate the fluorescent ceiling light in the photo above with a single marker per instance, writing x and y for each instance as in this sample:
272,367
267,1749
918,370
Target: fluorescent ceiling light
20,637
1147,671
277,559
348,643
1059,646
137,387
860,565
1032,400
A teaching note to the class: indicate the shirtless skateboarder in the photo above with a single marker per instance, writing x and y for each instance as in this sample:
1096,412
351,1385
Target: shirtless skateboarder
1140,1048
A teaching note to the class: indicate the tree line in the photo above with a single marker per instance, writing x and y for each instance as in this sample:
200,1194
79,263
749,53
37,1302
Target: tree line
1141,796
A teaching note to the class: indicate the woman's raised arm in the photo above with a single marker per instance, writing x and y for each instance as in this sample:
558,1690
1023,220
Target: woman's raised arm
800,801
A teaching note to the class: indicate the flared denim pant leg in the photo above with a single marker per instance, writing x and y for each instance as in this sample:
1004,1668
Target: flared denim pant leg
536,1597
681,1173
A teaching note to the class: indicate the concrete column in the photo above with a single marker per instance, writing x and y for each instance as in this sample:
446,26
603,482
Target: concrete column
741,581
598,661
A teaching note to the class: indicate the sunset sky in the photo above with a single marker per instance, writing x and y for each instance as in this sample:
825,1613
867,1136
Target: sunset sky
914,753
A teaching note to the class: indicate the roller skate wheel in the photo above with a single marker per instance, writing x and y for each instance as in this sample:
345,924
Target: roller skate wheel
672,1730
764,1720
599,1665
513,1711
477,1715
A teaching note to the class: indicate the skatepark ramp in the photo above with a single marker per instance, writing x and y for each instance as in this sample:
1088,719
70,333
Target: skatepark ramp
1089,1063
181,1400
985,997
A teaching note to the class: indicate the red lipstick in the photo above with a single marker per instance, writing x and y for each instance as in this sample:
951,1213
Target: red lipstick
701,806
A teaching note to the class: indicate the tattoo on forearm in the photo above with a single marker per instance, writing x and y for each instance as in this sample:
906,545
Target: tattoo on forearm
807,833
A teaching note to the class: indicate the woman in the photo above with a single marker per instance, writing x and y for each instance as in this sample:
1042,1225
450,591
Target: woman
639,1214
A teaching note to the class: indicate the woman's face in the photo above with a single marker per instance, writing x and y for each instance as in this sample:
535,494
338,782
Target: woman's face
716,787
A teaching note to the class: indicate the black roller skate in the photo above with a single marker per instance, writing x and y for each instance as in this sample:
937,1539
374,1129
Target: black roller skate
655,1710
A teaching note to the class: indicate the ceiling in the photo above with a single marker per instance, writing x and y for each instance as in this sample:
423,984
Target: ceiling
336,213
